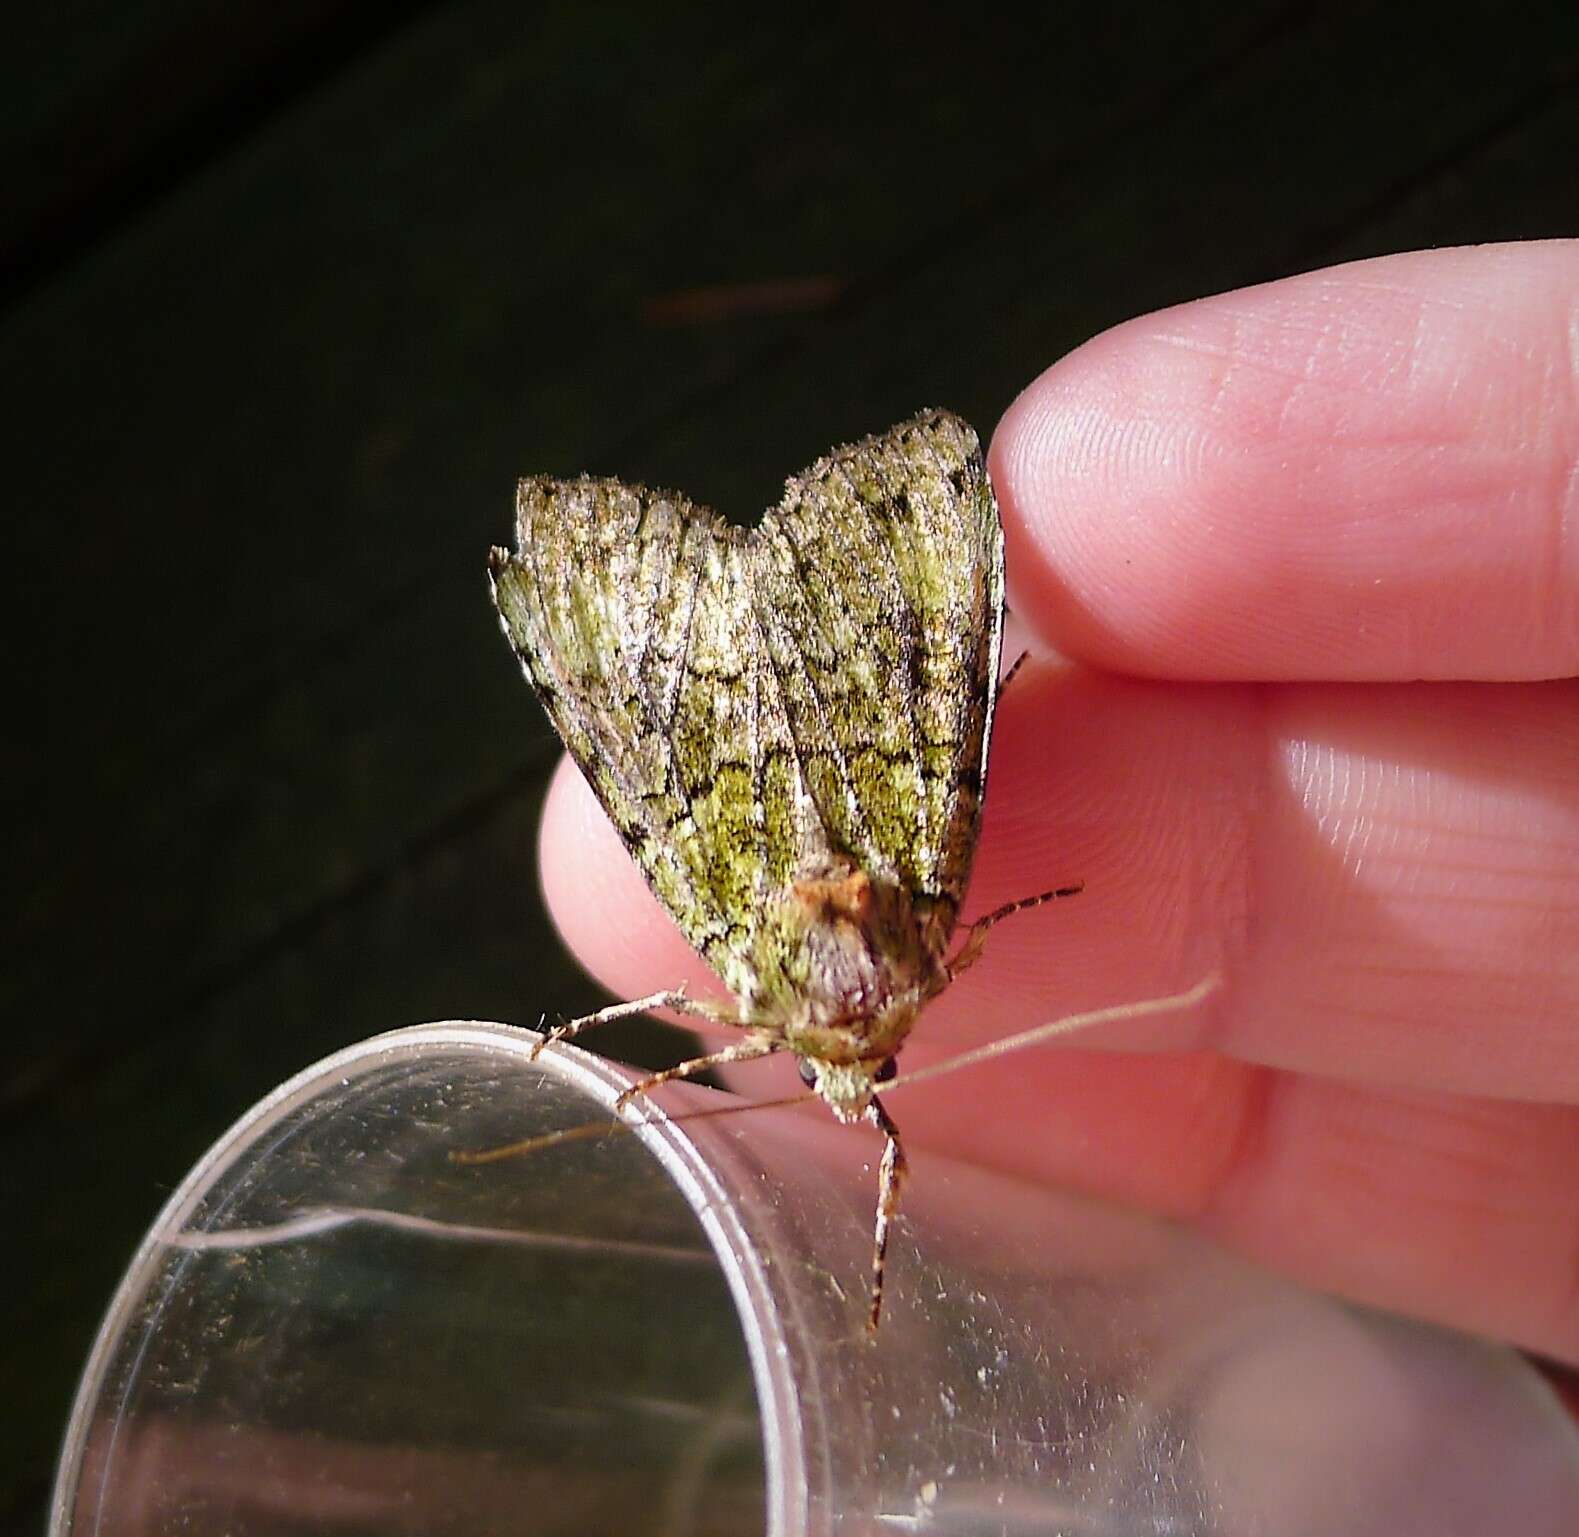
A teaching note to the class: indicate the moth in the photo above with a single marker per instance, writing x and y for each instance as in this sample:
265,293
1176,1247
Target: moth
789,727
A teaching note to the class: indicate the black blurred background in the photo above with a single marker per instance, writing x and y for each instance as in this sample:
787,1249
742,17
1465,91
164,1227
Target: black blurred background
291,293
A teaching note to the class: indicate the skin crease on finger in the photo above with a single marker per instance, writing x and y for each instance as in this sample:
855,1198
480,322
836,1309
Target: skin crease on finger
1383,1101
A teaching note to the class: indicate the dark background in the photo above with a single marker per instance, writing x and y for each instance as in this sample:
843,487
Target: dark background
291,293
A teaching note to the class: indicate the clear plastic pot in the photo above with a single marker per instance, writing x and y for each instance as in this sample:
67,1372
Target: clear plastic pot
335,1328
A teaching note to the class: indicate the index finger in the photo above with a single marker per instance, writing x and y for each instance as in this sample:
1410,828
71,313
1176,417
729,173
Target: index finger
1365,473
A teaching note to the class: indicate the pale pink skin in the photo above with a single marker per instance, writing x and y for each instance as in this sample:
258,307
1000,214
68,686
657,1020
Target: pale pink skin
1258,519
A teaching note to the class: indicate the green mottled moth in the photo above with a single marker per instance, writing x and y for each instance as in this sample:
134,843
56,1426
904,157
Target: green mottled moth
789,727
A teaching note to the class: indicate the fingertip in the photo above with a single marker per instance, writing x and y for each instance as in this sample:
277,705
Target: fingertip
1099,472
1349,474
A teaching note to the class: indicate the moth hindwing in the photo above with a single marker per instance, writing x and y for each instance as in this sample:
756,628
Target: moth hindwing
789,727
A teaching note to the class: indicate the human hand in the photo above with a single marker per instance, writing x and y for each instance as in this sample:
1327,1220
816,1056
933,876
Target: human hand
1316,548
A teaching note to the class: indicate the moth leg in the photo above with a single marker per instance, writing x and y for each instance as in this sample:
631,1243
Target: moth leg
741,1051
970,952
670,998
890,1182
1008,677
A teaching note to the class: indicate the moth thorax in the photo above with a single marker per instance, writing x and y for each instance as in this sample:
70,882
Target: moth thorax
867,969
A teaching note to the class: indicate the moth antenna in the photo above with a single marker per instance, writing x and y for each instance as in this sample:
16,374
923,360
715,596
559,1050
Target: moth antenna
613,1128
1067,1025
976,934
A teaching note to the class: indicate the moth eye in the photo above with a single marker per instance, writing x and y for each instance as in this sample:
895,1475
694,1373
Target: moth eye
886,1071
808,1073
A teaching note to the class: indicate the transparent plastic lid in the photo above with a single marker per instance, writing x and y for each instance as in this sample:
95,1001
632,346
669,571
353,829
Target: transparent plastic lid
335,1328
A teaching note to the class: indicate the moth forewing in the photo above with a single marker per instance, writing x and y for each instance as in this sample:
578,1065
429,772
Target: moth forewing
789,728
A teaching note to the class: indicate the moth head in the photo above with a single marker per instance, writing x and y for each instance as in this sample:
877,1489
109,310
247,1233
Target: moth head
846,1087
